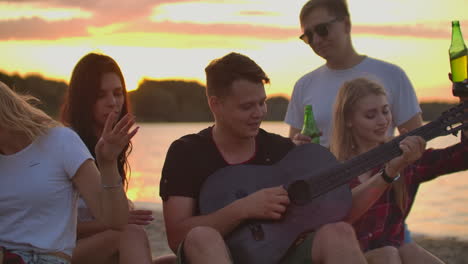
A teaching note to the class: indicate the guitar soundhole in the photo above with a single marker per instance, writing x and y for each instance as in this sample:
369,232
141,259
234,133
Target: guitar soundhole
299,192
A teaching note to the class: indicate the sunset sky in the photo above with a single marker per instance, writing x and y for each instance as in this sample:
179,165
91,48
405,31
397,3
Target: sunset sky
162,39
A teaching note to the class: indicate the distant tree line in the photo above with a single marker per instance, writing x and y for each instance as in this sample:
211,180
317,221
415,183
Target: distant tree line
163,101
50,93
170,101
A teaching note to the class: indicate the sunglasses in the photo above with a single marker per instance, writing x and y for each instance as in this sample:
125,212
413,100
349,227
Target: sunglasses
320,29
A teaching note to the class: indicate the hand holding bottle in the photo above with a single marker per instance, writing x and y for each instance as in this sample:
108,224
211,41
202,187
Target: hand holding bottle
310,132
300,139
458,61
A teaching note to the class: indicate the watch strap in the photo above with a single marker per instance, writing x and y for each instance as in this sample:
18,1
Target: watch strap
387,178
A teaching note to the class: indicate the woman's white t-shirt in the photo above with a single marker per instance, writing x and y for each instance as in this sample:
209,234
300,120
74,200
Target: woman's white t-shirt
38,203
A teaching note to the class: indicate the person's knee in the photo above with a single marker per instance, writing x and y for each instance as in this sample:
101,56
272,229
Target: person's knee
337,242
389,252
133,231
340,231
202,235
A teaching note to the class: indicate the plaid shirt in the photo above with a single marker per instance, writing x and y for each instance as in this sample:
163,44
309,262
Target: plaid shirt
382,224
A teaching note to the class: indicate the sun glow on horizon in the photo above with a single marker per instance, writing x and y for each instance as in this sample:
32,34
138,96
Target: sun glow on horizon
176,43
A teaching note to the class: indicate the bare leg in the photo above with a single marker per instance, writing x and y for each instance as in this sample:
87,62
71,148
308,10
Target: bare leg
166,259
99,248
127,246
134,245
415,254
336,244
205,245
383,255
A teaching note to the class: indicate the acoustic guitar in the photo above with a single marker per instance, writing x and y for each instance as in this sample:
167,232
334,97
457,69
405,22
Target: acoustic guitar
317,185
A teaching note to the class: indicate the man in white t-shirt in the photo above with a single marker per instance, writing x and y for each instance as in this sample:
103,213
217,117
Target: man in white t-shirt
326,27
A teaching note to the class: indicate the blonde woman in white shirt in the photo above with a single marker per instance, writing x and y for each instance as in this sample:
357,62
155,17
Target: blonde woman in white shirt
43,168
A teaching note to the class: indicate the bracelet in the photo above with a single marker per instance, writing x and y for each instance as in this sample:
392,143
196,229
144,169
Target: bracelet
104,186
387,178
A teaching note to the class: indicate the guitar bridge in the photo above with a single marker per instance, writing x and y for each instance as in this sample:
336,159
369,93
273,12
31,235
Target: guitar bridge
257,231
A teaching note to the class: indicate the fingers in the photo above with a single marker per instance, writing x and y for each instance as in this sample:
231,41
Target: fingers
124,124
131,134
122,127
300,139
141,212
110,120
276,211
140,217
412,147
277,206
276,202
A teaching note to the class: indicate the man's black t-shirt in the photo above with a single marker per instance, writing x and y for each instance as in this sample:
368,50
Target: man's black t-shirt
192,158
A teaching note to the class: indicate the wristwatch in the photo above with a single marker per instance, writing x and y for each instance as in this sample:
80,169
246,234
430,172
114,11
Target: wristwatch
387,178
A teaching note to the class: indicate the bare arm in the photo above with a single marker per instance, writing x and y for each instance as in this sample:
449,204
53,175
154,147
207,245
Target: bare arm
367,193
88,228
109,206
137,217
411,124
102,189
180,218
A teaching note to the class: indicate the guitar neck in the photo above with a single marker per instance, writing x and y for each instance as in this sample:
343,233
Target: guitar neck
358,165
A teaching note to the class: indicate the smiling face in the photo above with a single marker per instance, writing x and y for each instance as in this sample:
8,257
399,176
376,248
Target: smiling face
370,121
242,111
335,42
110,98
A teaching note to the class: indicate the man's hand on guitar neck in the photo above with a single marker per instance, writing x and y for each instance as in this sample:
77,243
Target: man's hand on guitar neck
268,203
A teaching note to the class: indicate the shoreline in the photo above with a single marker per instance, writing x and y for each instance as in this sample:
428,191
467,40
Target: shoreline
451,250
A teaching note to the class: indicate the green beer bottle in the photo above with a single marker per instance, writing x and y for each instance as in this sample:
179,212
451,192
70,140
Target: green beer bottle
458,60
309,128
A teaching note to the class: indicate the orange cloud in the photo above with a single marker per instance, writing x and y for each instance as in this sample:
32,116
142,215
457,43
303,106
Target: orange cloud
135,16
257,13
218,29
416,31
39,29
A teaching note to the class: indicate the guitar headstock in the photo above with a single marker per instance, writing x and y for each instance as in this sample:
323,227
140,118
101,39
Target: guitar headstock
454,119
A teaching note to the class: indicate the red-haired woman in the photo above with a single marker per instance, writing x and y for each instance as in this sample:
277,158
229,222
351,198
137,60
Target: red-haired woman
96,90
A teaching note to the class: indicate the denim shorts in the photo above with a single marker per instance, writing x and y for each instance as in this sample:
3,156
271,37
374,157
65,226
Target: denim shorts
30,257
408,238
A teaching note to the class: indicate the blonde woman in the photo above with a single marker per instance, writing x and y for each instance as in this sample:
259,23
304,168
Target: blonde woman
361,120
43,168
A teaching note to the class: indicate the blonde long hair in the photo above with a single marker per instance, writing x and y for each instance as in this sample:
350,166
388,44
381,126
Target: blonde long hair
342,144
18,114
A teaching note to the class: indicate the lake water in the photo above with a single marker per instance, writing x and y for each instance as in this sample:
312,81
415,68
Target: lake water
441,207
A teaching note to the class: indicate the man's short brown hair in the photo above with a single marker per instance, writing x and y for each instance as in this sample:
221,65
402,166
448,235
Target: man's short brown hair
338,8
222,72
